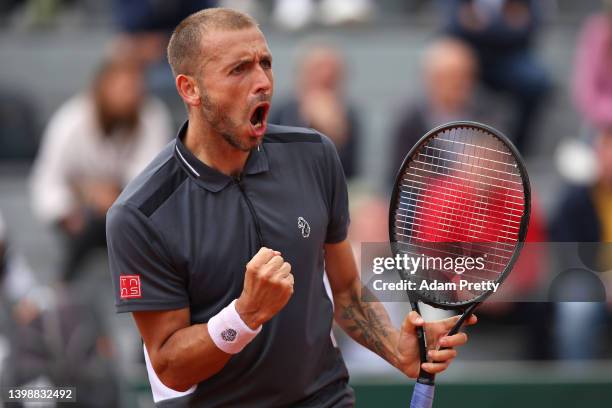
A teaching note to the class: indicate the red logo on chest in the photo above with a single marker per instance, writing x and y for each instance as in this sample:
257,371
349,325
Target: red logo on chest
129,286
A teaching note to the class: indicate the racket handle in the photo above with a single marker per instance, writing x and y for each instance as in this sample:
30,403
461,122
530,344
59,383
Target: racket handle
468,312
424,377
422,396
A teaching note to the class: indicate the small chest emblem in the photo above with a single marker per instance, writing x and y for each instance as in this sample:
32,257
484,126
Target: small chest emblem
304,227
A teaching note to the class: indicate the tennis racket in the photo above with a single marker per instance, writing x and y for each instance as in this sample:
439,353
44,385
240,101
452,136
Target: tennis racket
461,192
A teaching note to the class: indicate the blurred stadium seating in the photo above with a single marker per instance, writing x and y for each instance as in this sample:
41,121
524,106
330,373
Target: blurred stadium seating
49,54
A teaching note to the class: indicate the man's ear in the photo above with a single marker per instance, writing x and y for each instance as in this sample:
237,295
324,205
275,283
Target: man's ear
188,89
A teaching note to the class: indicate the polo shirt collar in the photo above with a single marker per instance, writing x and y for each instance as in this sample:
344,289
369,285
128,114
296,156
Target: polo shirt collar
211,179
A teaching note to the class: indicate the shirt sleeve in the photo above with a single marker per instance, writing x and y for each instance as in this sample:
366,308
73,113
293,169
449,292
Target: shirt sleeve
339,220
144,276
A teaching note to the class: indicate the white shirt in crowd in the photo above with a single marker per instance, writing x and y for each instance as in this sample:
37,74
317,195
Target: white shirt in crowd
73,148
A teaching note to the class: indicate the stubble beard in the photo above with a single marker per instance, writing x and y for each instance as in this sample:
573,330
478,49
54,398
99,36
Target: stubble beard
222,124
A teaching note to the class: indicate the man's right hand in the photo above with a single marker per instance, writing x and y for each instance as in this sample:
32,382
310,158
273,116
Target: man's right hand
268,285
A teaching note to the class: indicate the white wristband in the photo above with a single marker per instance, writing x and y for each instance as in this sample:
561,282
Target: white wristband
229,332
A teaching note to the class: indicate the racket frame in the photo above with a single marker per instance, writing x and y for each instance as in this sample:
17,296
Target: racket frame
524,219
466,308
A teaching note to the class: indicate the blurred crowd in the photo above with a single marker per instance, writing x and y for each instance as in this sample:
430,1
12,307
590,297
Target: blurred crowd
91,147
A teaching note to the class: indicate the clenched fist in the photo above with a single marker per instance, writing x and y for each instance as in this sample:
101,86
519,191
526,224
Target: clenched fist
268,285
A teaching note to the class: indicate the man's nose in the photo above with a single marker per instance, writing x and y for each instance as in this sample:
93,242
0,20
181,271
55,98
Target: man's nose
263,81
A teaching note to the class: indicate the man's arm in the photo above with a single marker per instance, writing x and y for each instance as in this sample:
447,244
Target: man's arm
183,354
368,322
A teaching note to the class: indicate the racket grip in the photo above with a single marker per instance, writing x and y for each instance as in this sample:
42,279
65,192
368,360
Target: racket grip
422,396
424,377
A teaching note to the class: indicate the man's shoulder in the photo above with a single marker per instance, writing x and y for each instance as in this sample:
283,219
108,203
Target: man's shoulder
155,184
76,105
291,134
304,140
75,113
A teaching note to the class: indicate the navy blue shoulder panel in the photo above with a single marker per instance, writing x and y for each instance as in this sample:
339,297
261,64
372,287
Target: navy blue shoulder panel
171,176
151,188
291,134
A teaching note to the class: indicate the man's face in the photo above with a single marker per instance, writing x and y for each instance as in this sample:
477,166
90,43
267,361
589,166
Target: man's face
236,85
121,93
322,70
453,86
451,78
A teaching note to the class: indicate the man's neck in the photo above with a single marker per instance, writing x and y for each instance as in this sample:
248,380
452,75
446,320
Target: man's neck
212,149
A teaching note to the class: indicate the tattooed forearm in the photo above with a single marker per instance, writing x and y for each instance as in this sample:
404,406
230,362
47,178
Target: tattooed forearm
367,323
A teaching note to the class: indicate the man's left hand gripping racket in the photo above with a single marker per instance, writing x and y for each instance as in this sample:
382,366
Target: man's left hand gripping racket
461,192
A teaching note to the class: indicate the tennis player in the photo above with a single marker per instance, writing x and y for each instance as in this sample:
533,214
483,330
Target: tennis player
218,248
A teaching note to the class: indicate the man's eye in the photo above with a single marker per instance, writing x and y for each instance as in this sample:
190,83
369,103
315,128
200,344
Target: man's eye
238,70
266,64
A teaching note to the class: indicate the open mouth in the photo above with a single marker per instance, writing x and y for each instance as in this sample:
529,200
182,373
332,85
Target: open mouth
258,117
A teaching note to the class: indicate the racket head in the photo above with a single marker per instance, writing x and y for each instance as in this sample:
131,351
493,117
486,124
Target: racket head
447,165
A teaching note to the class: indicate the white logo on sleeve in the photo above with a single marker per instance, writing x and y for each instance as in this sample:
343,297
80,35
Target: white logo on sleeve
304,227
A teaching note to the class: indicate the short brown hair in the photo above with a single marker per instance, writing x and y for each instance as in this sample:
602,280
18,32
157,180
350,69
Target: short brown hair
185,42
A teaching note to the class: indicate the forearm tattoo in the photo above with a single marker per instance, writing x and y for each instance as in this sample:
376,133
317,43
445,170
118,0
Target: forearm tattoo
367,323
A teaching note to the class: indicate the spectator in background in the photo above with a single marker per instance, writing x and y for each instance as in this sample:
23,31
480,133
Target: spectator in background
592,85
585,216
144,30
584,211
320,103
502,33
298,14
140,16
17,282
17,308
522,285
92,147
50,337
449,75
19,130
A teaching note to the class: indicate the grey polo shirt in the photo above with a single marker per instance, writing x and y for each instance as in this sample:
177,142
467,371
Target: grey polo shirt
181,234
